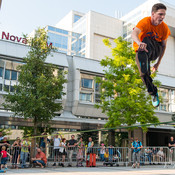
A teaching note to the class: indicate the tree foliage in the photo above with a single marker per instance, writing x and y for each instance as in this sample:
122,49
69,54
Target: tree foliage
40,85
123,96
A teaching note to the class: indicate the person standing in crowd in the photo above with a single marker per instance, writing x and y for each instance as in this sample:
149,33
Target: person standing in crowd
16,148
40,158
5,143
160,155
71,148
111,153
42,141
148,154
25,146
1,144
4,155
154,154
106,155
91,156
56,143
136,146
150,39
171,144
102,152
63,151
80,154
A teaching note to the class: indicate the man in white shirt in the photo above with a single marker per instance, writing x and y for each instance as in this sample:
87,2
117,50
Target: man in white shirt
56,148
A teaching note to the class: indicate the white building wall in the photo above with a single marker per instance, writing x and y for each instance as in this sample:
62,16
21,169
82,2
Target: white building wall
100,26
168,61
66,23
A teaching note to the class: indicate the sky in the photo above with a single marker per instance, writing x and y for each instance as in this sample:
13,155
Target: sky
23,16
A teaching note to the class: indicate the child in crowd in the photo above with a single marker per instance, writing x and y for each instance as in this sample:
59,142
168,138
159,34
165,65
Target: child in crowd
106,156
4,155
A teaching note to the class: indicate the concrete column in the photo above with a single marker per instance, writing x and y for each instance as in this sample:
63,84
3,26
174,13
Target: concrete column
111,137
140,135
99,137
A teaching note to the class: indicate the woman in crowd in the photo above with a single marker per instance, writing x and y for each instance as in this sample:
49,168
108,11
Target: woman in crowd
63,151
80,154
16,152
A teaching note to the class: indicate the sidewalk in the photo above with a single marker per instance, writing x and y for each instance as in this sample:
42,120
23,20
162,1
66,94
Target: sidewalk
144,170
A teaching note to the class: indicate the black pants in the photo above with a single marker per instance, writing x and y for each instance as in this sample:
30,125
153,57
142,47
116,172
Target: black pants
154,50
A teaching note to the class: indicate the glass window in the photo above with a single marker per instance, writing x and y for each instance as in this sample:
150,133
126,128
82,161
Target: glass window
13,127
12,89
1,126
14,75
7,74
85,97
6,88
51,28
86,83
76,18
6,126
97,87
0,87
1,71
163,107
97,98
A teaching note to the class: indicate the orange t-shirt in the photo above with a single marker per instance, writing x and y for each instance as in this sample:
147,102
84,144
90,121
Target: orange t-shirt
158,33
42,156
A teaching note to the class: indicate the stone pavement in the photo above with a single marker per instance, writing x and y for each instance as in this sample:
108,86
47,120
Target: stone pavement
144,170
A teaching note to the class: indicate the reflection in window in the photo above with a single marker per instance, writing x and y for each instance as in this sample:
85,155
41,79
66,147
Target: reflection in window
12,89
14,75
0,87
7,74
1,71
97,87
85,97
6,88
97,98
76,18
86,83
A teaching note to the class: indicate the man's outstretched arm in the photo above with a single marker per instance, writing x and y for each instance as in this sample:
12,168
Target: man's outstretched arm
135,37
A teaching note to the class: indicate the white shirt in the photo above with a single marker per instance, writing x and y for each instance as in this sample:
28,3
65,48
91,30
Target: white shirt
56,143
62,147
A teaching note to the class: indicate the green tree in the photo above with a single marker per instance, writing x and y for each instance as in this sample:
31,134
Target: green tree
86,135
123,96
40,85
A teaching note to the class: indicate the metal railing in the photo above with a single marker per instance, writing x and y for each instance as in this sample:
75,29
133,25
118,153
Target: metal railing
95,156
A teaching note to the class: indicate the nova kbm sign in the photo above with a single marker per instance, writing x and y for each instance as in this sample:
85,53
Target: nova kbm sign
13,38
17,39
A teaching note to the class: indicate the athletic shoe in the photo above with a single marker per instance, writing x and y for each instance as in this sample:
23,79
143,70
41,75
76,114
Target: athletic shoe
155,100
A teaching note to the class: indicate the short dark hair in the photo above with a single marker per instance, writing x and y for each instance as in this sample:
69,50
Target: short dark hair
158,6
63,139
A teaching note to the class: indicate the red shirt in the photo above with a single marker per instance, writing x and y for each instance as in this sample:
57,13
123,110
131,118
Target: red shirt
4,153
42,156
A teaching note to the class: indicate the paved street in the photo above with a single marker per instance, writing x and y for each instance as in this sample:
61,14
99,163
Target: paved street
146,170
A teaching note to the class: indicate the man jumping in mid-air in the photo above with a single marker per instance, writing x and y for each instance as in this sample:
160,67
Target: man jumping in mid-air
150,39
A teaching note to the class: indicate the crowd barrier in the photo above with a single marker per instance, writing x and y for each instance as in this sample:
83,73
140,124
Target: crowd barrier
117,156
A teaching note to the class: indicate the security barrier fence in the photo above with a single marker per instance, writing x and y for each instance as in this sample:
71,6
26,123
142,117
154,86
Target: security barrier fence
94,156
